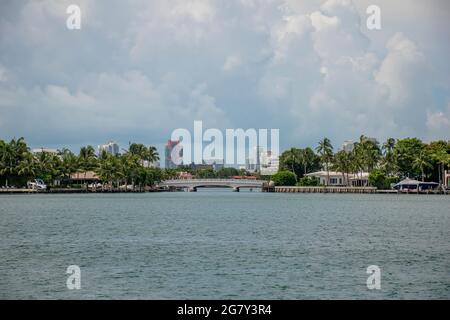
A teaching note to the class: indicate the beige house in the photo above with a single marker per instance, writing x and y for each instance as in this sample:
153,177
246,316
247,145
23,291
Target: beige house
339,179
84,177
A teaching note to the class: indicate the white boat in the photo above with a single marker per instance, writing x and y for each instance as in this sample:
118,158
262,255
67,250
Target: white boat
37,184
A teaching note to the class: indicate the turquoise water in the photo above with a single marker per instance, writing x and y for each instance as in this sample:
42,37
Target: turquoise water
217,244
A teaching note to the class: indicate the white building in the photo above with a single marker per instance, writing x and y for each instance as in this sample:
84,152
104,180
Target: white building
46,150
217,164
338,179
152,164
269,163
348,146
111,147
264,162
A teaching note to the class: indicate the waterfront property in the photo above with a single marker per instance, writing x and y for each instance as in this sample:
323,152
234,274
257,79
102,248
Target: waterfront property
338,179
410,184
84,177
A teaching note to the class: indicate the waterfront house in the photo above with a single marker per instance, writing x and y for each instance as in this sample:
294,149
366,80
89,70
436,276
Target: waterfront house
84,177
339,179
411,184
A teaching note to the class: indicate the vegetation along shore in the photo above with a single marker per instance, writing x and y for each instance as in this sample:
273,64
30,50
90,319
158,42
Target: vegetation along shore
385,163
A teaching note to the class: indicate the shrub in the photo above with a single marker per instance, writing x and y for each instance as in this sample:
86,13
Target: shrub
308,182
380,180
284,178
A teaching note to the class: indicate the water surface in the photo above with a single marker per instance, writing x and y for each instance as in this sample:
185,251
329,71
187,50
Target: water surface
217,244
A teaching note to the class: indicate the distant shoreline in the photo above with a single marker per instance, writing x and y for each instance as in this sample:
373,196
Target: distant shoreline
279,189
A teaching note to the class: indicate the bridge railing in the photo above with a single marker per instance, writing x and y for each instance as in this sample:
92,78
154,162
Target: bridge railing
196,181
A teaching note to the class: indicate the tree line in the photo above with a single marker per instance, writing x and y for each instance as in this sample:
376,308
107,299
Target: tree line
386,163
18,164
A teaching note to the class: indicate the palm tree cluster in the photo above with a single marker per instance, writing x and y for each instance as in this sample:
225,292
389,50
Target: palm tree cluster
397,159
18,165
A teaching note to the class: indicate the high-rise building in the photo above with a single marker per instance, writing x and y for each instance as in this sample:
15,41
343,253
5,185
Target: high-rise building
217,164
269,163
111,147
348,146
152,164
264,162
170,146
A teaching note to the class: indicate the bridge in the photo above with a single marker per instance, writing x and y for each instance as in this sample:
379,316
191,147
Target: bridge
193,184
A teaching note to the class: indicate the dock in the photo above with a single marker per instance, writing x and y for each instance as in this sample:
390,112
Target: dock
367,190
323,189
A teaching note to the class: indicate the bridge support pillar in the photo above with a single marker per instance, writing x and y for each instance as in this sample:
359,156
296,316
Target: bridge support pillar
235,189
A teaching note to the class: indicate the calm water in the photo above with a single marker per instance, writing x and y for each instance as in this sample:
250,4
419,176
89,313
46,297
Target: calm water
218,244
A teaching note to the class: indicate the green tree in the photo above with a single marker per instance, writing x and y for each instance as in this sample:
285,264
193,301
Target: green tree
68,164
227,172
342,163
11,154
308,182
422,161
109,169
440,157
284,178
291,160
47,166
388,162
87,159
27,167
325,151
405,152
368,153
380,180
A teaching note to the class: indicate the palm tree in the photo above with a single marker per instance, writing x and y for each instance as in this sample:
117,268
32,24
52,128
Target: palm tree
388,161
306,159
149,154
388,146
47,165
87,160
69,162
325,151
294,158
27,167
342,163
422,161
369,153
152,154
11,154
109,169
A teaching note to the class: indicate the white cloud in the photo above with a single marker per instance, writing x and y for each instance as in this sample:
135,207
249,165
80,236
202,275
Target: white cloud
402,70
141,69
231,62
438,124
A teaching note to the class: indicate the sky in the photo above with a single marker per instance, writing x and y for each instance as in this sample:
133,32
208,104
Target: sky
138,70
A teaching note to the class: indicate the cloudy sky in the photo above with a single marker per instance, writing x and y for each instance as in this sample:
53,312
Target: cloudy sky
138,70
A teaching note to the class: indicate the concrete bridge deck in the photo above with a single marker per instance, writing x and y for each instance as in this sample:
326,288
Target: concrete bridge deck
193,184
